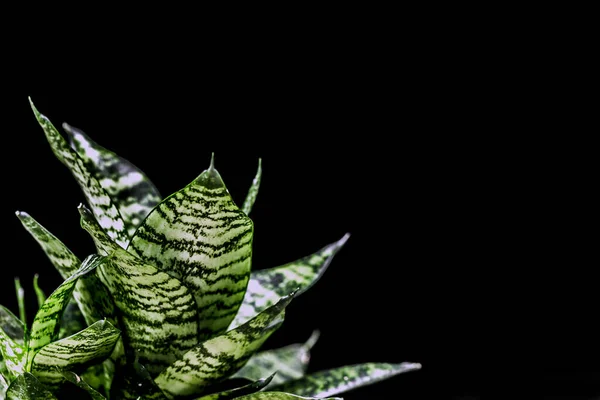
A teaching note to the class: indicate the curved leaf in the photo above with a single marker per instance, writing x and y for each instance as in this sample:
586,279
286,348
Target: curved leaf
239,391
92,297
219,357
157,311
253,192
94,343
27,387
128,187
100,202
287,363
199,236
3,384
46,323
282,396
343,379
267,286
12,349
76,379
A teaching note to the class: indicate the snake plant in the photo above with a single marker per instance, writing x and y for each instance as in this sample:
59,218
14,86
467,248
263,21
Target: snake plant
168,307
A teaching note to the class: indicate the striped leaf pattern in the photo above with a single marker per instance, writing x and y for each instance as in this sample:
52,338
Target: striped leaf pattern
12,349
343,379
3,382
267,286
95,343
27,387
46,323
287,363
220,356
157,311
239,391
77,380
128,187
253,192
282,396
100,202
199,236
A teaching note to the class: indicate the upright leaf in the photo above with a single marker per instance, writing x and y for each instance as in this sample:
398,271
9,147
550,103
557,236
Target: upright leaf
27,387
220,356
3,384
287,363
129,188
12,349
267,286
21,302
251,387
77,380
100,202
92,297
199,236
39,293
253,192
343,379
157,311
95,343
282,396
46,323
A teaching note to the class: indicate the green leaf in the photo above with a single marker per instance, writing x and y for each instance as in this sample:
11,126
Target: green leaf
27,387
282,396
253,192
289,363
46,323
267,286
21,301
252,387
100,202
92,297
199,236
60,256
39,293
77,380
94,343
129,188
343,379
3,385
220,356
157,311
12,349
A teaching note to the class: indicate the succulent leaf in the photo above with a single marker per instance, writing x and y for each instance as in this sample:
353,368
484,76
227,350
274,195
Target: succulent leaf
253,191
95,343
343,379
267,286
100,202
251,387
128,187
39,293
27,387
219,357
199,236
12,348
46,323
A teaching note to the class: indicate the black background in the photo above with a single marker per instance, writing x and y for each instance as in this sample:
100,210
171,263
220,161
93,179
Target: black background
427,165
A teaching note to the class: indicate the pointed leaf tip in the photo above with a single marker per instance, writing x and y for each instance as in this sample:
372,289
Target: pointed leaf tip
212,162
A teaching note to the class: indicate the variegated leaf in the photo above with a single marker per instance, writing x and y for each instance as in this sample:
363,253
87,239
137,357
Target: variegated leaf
282,396
92,297
128,187
21,302
157,311
267,286
46,323
252,387
77,380
288,363
27,387
12,348
199,235
3,383
100,202
39,293
95,343
343,379
253,192
220,356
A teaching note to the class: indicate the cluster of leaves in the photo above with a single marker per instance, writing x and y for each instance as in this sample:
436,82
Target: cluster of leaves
168,307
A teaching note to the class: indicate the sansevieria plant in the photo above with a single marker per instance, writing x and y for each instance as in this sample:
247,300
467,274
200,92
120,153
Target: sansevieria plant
168,307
